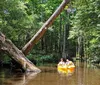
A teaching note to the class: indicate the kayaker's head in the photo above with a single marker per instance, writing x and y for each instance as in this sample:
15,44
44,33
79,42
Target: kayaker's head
62,59
67,60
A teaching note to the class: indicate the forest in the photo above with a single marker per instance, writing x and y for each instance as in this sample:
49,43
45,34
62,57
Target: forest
75,33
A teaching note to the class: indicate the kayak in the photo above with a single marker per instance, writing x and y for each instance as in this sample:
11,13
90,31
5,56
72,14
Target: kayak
66,69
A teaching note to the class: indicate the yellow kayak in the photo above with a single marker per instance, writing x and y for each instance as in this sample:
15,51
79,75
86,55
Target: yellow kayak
66,69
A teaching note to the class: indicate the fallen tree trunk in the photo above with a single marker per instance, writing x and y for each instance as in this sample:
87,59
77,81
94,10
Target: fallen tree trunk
16,54
44,28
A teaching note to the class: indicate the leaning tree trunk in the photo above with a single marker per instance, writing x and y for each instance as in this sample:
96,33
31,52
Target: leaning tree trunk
16,54
44,28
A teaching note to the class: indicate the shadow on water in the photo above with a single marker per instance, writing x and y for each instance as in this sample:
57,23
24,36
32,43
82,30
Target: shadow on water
9,78
84,74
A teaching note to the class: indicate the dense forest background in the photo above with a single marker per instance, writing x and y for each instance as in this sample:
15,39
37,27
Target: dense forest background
75,34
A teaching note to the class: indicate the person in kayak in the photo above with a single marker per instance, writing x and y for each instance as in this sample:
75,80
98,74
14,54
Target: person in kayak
69,63
61,62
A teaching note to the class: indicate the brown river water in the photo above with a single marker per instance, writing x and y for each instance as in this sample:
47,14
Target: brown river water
84,74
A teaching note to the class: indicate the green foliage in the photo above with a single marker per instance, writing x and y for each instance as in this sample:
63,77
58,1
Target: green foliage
15,22
87,20
5,58
42,59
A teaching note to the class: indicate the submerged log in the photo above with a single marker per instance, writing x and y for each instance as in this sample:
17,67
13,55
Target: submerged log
16,54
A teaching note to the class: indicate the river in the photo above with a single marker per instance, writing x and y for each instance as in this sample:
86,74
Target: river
84,74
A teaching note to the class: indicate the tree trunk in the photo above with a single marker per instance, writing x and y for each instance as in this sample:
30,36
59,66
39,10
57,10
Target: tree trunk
16,54
81,46
43,29
60,36
64,43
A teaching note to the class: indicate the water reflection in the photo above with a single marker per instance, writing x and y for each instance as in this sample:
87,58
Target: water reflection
15,78
87,75
83,75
